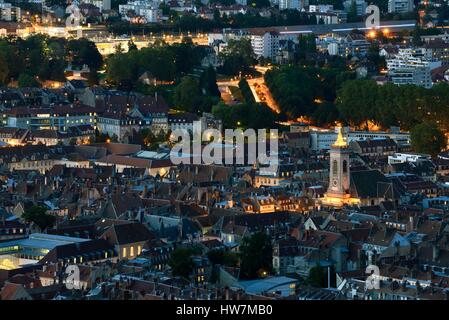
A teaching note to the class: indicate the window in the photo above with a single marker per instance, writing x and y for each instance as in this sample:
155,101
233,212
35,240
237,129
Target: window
334,167
124,252
345,166
131,253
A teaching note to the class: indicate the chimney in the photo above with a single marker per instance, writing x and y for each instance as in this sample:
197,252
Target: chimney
145,191
435,252
411,224
239,294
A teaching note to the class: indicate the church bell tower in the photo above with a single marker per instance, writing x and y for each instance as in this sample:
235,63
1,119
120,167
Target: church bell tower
339,168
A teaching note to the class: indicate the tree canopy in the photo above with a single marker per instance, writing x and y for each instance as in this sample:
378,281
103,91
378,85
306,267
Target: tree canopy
44,57
38,215
427,138
244,115
181,261
164,62
256,256
359,101
238,57
300,90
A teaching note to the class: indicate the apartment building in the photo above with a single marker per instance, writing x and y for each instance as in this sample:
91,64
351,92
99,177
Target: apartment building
265,43
351,45
419,76
146,10
100,4
413,58
59,117
321,7
291,4
400,6
8,12
359,4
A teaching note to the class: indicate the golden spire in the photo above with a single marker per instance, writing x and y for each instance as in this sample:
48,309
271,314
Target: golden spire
340,142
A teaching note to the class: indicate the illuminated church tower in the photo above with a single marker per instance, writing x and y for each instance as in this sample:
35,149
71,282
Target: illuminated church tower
338,193
339,167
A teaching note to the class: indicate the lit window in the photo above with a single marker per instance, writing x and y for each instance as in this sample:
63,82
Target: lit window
124,252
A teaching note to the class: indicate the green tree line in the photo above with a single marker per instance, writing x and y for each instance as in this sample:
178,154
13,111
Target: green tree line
44,58
300,91
388,105
164,62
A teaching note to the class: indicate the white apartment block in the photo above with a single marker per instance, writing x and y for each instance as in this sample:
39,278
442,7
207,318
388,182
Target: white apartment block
327,18
419,76
8,12
359,4
400,6
288,4
412,58
265,44
147,10
322,8
100,4
400,137
323,139
354,45
407,157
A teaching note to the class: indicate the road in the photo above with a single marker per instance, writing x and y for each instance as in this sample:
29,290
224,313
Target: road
223,86
257,85
226,95
262,93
